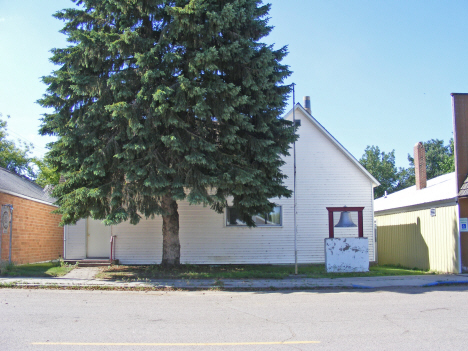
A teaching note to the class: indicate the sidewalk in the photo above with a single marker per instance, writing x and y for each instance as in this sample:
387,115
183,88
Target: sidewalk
84,277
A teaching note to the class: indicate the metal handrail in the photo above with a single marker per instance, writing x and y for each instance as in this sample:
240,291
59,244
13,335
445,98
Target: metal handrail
112,243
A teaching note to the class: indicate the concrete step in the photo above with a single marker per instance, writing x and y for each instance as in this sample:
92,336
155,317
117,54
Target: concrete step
88,262
95,264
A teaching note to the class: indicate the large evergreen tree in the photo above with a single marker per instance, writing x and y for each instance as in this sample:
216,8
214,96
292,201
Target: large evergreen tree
157,101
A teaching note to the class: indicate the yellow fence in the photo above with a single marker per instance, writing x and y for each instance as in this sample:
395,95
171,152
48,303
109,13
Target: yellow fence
418,240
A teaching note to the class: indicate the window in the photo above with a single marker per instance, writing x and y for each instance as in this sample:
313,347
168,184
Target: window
272,219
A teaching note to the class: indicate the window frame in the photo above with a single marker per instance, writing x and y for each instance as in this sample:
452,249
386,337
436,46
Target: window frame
226,217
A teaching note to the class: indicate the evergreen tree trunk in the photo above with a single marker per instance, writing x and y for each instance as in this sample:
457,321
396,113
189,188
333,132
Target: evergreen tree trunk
170,229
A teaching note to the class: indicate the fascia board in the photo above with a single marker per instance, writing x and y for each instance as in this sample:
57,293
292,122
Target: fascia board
417,207
27,197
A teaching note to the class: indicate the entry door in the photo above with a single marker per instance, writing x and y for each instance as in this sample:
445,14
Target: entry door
98,239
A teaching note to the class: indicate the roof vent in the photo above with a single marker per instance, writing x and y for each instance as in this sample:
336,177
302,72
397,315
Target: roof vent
307,104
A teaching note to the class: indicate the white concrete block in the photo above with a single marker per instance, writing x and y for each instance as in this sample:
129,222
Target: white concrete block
347,255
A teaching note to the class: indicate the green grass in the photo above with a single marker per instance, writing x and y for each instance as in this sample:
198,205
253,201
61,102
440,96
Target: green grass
241,272
46,269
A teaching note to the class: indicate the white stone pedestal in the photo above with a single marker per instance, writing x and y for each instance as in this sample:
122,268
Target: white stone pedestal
347,255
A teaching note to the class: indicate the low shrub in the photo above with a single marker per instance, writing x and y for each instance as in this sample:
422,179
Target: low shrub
6,267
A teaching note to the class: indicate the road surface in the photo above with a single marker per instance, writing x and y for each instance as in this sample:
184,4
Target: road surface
398,319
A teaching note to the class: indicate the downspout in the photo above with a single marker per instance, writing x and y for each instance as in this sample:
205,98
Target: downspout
112,245
11,231
86,238
1,234
65,233
374,226
459,237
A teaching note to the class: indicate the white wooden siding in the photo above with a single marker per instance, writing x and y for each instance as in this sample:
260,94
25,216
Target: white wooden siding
325,178
139,244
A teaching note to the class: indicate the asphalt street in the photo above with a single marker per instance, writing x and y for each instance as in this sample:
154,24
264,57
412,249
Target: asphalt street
396,319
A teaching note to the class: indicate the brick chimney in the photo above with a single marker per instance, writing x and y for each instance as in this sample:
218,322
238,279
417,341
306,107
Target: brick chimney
307,104
420,165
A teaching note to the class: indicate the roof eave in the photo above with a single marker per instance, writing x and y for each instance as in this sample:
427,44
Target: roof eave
27,197
416,207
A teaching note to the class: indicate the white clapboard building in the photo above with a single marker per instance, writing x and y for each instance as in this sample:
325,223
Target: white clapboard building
327,176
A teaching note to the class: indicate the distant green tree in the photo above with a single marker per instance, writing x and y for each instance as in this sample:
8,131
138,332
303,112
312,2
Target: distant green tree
405,178
160,101
439,161
382,166
13,157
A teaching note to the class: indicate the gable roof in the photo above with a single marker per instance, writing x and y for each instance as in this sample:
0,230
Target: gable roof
13,184
440,190
340,147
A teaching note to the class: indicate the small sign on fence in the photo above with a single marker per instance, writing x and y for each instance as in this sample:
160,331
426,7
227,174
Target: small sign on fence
464,224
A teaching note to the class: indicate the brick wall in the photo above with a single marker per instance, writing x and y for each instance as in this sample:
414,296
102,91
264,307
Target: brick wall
36,234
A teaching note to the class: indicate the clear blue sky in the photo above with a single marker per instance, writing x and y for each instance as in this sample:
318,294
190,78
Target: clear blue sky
378,72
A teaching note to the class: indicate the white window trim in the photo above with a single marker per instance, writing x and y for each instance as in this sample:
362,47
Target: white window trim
258,226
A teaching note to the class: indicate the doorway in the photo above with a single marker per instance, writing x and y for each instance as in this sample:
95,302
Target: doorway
98,239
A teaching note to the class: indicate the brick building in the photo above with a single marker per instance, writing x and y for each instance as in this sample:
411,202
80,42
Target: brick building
36,235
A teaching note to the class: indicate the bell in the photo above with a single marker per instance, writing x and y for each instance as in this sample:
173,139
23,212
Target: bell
345,220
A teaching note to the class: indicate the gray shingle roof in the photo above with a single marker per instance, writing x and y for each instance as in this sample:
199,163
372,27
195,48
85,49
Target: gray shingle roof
17,185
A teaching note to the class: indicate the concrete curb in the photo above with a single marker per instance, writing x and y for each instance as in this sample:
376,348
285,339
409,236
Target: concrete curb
358,283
